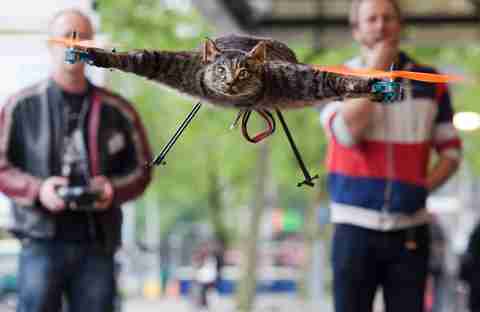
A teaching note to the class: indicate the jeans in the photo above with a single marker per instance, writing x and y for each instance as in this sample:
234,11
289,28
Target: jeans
364,259
81,273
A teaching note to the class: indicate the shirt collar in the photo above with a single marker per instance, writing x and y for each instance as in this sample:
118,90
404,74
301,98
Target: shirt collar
404,61
59,92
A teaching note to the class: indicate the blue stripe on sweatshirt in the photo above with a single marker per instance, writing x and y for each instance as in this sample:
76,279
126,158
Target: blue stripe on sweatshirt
370,193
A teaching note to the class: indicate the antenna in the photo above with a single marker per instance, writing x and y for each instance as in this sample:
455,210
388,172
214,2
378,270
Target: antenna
392,68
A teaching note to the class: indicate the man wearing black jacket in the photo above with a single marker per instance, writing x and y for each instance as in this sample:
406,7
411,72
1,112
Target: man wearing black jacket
66,132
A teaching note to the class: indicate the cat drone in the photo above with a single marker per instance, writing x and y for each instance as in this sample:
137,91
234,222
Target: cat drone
248,74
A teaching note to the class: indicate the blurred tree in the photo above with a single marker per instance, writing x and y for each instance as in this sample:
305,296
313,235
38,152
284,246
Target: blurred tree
248,279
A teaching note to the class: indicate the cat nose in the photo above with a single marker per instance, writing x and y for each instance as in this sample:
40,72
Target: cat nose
231,86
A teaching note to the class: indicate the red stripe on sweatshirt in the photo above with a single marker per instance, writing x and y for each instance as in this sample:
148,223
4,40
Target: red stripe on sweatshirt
371,159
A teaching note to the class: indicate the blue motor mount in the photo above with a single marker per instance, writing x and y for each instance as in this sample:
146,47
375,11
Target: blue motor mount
387,91
73,56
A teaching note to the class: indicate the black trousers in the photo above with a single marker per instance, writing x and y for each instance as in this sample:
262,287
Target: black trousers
364,260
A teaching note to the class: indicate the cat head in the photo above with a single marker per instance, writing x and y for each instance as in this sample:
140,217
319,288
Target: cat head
234,74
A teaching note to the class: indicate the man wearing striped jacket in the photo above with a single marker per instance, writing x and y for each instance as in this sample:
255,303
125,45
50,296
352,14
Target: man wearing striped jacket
380,174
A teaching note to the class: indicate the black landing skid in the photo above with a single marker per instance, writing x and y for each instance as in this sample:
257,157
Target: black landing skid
245,115
160,159
308,178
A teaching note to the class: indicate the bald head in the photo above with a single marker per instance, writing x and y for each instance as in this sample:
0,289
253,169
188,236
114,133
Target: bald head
64,22
62,25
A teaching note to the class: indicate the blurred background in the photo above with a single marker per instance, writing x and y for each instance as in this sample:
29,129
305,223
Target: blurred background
240,199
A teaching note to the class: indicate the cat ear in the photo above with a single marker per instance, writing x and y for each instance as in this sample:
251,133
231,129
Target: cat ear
210,51
259,52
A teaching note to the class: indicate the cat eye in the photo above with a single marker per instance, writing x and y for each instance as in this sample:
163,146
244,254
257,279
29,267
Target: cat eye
243,74
220,70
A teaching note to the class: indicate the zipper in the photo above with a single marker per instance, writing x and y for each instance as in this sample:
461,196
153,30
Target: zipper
390,157
387,194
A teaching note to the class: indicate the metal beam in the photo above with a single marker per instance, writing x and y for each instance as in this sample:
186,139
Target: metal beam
246,18
342,22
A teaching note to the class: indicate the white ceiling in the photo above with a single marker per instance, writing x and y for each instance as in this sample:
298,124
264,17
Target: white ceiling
24,56
28,15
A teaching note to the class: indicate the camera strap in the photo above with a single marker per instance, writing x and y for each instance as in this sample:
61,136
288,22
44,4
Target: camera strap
75,154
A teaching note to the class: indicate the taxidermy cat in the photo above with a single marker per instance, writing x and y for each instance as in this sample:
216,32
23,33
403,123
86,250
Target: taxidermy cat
238,72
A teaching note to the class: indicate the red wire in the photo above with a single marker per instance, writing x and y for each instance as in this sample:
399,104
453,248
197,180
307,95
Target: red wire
262,135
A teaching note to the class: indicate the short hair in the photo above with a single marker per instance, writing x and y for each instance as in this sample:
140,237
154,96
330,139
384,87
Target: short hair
353,17
63,12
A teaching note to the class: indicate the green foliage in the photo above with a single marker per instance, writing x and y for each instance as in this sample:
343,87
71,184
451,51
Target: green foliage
150,24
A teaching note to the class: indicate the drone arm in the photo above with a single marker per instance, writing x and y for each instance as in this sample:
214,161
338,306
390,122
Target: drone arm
304,85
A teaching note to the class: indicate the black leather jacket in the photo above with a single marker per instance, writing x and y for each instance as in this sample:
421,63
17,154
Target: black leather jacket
30,134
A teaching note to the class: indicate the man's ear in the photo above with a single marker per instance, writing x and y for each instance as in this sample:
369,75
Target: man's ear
210,51
259,52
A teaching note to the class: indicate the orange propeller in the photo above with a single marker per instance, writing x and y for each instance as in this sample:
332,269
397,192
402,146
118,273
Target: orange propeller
74,42
373,73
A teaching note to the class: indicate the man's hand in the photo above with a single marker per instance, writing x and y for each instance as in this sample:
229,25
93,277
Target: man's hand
103,186
48,194
443,169
382,54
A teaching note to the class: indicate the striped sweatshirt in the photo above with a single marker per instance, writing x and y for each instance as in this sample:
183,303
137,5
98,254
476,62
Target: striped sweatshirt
379,182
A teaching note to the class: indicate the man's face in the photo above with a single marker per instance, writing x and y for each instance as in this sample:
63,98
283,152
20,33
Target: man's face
63,27
377,21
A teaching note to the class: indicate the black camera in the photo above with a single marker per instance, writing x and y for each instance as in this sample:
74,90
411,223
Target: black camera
78,197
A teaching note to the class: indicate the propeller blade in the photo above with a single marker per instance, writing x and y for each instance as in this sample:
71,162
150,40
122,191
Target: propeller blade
343,70
427,77
63,41
87,44
373,73
69,42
